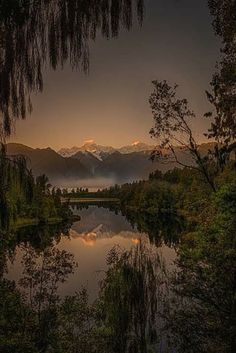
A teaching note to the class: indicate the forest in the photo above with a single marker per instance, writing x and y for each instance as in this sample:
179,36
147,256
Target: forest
25,199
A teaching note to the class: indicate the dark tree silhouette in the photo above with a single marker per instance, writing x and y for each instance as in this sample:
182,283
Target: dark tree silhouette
172,127
36,33
129,297
13,171
172,115
223,94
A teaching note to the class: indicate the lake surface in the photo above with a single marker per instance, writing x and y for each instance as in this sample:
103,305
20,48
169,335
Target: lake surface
127,265
89,241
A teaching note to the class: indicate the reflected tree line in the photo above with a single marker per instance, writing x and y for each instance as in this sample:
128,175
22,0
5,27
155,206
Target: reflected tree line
161,229
34,318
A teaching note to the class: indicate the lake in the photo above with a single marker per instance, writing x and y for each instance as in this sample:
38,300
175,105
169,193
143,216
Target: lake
89,241
112,276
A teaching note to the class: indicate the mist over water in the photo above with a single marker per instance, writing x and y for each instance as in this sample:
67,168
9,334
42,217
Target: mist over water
92,184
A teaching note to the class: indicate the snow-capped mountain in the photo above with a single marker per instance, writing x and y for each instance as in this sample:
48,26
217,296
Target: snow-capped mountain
101,164
89,159
89,146
136,146
68,152
101,152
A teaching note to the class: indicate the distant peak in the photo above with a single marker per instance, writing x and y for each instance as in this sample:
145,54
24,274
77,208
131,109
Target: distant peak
89,142
136,143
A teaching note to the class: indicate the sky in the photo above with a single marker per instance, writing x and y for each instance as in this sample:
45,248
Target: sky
110,104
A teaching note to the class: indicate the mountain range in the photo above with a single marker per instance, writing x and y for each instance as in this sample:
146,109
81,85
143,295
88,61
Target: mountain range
92,162
103,151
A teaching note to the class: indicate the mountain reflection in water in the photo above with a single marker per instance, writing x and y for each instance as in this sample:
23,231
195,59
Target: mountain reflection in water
109,283
90,241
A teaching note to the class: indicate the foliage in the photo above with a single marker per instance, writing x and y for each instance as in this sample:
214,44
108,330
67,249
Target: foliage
29,315
23,197
223,96
201,313
176,192
172,115
172,118
152,197
128,296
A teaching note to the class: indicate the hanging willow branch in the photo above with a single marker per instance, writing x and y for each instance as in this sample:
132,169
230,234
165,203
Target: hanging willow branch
36,33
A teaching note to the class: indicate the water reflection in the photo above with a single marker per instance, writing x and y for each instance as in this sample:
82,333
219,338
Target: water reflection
134,299
131,294
159,229
100,223
42,274
42,271
89,240
42,235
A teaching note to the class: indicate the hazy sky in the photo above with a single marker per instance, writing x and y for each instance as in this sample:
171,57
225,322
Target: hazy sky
110,105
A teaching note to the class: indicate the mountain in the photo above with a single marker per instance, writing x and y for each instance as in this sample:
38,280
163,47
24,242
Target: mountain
103,151
136,146
68,152
47,161
89,146
93,162
125,167
88,159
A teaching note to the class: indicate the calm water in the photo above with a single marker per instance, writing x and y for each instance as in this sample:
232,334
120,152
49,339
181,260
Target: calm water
89,241
148,300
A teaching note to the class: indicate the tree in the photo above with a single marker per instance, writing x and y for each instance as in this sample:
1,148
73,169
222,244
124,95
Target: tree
16,187
223,94
35,33
201,308
172,115
42,274
172,118
42,182
129,298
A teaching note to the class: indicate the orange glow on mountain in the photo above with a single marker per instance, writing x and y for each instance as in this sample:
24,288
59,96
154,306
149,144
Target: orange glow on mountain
136,241
89,242
88,142
135,143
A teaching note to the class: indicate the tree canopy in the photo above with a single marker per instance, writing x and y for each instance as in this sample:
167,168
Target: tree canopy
172,115
223,93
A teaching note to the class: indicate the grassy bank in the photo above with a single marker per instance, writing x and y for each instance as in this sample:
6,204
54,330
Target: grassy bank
24,222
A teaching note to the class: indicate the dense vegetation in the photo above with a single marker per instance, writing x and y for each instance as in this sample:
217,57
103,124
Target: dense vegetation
24,199
202,306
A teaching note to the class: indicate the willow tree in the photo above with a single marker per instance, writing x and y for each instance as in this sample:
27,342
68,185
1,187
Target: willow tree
16,185
129,298
39,33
